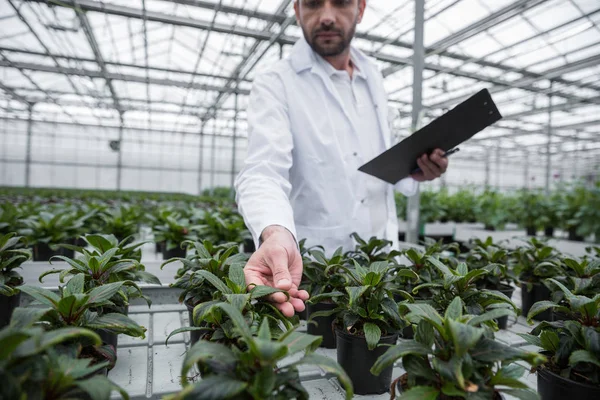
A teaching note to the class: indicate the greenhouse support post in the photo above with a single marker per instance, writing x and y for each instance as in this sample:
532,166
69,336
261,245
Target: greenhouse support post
200,157
412,212
28,154
233,152
120,153
549,143
526,175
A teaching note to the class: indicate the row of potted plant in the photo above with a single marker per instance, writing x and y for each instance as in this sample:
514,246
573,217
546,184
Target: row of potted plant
47,227
70,335
573,208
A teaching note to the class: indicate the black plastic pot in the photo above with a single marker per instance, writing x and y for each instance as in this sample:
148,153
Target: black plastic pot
549,231
552,386
538,292
490,228
531,230
325,324
357,360
7,306
174,252
108,338
408,332
159,247
574,236
43,252
508,292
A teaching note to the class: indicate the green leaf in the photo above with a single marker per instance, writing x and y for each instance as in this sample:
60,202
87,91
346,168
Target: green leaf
549,340
446,272
398,351
488,350
239,301
262,291
236,275
490,315
579,356
540,307
420,311
238,321
372,335
99,388
355,292
522,394
454,310
105,292
213,387
221,358
75,285
118,323
297,341
509,376
25,317
418,366
421,393
329,366
464,336
214,280
44,296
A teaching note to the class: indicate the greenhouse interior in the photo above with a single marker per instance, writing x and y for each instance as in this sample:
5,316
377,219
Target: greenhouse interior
255,199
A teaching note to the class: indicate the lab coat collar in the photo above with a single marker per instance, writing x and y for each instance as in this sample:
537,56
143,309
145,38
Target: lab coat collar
303,57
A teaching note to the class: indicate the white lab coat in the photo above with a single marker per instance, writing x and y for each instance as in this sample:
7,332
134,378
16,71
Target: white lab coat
295,174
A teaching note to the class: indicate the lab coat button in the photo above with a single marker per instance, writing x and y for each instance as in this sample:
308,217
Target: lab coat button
355,154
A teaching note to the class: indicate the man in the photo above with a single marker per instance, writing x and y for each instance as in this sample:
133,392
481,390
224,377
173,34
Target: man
314,118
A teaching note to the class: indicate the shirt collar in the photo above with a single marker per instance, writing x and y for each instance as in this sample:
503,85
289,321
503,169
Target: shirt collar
331,71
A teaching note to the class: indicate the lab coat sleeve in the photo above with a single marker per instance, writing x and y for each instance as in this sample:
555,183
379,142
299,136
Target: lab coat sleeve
407,186
263,186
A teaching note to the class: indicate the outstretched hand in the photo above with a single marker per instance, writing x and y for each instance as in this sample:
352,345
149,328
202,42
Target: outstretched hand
278,263
432,166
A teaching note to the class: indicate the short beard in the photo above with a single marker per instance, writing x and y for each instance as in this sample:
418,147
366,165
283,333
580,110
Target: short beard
330,52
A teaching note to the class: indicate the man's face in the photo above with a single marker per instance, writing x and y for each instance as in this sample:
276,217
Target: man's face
329,25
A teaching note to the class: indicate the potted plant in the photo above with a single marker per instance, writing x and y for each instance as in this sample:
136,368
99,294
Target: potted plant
452,357
45,231
492,210
75,306
530,210
375,249
122,221
60,370
174,233
365,316
254,370
195,289
223,225
572,369
11,258
212,324
460,282
571,211
324,275
105,261
535,262
549,210
495,260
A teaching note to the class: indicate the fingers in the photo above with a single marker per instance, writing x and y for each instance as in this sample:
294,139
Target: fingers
297,304
286,308
432,167
439,160
278,260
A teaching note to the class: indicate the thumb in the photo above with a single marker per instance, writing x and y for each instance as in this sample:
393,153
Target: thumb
278,261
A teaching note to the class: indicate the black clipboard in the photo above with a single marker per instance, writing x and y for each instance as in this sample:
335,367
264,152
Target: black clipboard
446,132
